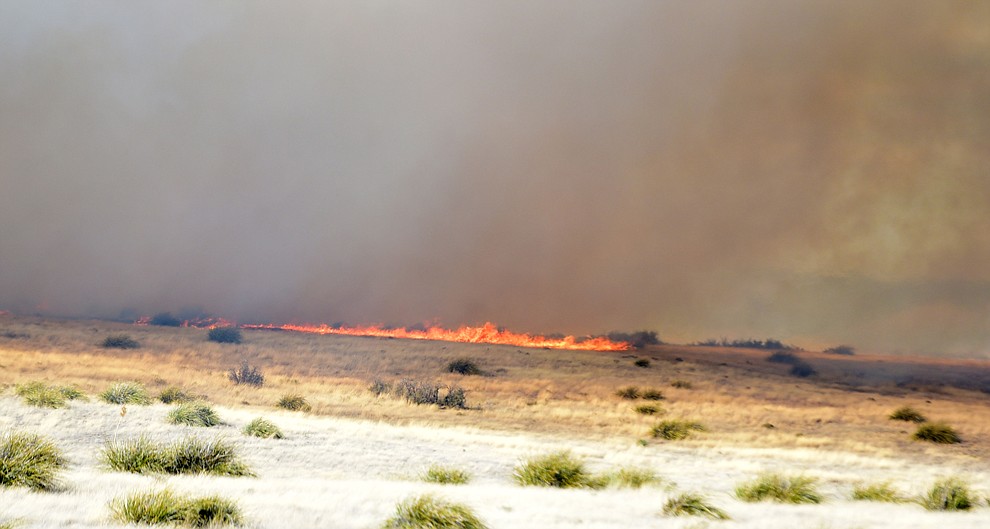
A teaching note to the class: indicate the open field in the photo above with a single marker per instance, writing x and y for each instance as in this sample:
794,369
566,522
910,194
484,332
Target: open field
354,455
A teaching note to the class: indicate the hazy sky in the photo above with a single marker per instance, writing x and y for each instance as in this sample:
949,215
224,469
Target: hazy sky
818,172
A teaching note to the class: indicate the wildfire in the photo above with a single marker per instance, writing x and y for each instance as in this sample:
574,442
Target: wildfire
487,333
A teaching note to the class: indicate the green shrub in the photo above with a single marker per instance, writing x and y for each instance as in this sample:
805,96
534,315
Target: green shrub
446,475
165,319
464,366
642,362
559,469
648,409
629,393
633,478
224,335
908,414
167,508
949,494
29,460
937,433
882,492
186,456
681,384
676,429
263,428
653,394
174,395
119,341
688,504
245,374
294,402
782,489
126,393
428,512
194,414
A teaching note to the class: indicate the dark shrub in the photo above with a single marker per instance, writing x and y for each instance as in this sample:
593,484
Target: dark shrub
379,387
246,375
908,414
165,319
454,398
630,393
783,357
417,392
642,362
638,339
802,369
464,366
119,341
681,384
652,394
847,350
937,433
225,335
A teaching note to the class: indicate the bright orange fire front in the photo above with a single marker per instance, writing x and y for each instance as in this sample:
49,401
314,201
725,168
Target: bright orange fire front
487,333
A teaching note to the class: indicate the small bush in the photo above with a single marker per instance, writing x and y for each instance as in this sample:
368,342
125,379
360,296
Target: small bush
674,430
908,414
445,475
427,512
882,492
29,460
166,507
293,402
224,335
688,504
653,394
803,369
949,495
165,319
454,398
174,395
630,393
782,489
464,366
417,392
846,350
648,409
380,387
783,357
186,456
642,362
937,433
633,478
126,393
120,341
638,339
246,374
263,428
681,384
194,414
559,469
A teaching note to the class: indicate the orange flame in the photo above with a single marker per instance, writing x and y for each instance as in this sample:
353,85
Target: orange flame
487,333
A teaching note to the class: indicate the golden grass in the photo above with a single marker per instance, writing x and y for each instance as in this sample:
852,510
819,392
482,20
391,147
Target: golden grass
735,391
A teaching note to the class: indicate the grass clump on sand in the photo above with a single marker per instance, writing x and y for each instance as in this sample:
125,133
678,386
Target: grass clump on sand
689,504
167,508
224,335
120,341
652,394
648,409
29,460
126,393
446,475
907,413
174,395
263,428
294,402
681,384
880,492
629,393
949,494
428,512
937,433
782,489
44,396
194,414
674,430
632,478
464,366
559,469
186,456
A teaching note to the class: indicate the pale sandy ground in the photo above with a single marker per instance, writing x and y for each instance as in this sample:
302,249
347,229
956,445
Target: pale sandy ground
339,473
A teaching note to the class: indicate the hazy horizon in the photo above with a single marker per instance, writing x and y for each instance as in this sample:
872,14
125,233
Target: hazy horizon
815,172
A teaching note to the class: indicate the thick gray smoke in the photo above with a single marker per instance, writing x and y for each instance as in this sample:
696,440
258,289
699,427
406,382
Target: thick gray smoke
818,172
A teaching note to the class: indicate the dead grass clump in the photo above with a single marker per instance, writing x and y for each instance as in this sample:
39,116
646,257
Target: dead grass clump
464,366
629,393
224,335
186,456
781,489
119,341
676,429
167,508
939,433
194,414
559,469
951,494
263,428
880,492
126,393
907,413
294,402
446,475
428,512
29,460
689,504
245,374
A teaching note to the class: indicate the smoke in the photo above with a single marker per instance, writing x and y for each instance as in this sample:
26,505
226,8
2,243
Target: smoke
810,171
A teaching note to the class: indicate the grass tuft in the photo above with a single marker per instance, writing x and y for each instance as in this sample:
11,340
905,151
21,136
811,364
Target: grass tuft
263,428
559,469
428,512
167,508
689,504
653,394
937,433
648,409
629,393
446,475
40,395
29,460
194,414
681,384
464,366
294,402
186,456
633,478
880,492
676,429
174,395
224,335
119,341
907,413
782,489
949,494
126,393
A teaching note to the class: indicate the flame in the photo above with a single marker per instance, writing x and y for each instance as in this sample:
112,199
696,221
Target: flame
487,333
